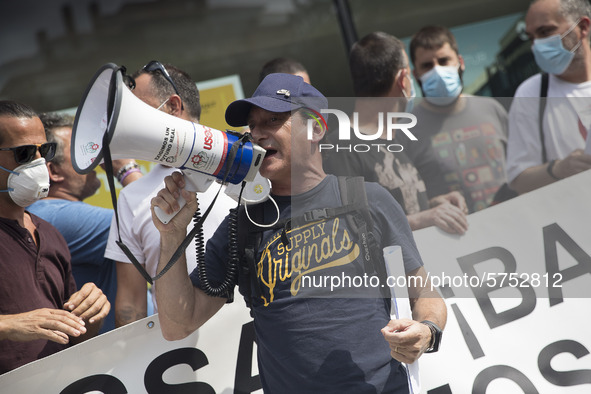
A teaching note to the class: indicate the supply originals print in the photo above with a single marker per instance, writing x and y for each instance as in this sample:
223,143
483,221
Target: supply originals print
312,249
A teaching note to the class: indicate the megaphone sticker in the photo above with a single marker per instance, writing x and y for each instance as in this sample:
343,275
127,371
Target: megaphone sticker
91,148
167,143
200,161
208,140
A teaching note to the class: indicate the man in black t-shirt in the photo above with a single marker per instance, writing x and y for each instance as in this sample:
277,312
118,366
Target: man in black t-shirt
383,84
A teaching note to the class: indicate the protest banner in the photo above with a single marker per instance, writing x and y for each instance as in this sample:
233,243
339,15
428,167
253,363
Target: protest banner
218,358
517,286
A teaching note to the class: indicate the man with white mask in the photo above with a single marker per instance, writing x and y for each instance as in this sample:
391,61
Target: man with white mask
87,235
40,310
460,135
547,139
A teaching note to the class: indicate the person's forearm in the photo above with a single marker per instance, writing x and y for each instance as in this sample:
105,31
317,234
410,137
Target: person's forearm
134,176
131,303
175,294
182,308
4,327
430,308
126,171
447,217
419,220
532,179
128,313
425,301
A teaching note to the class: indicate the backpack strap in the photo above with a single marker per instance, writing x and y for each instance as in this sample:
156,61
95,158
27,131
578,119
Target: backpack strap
249,238
543,95
352,190
360,221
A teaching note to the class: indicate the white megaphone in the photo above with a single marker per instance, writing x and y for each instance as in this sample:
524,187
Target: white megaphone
135,130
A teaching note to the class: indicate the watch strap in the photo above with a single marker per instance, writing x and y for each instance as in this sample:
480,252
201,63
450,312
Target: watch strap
436,333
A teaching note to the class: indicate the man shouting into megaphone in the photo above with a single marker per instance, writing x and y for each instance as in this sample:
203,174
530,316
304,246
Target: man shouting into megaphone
309,340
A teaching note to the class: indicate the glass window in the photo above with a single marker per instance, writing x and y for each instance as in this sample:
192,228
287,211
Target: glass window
47,58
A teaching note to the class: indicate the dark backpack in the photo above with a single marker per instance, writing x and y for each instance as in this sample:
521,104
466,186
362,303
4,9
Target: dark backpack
543,95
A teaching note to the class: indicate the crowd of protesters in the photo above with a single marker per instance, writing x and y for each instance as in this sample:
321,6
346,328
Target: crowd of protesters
63,278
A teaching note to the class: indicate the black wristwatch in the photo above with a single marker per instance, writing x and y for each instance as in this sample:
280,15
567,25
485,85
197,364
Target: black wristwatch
436,334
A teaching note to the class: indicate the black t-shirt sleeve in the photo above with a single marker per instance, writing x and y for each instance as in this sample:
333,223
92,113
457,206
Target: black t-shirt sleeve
423,157
392,225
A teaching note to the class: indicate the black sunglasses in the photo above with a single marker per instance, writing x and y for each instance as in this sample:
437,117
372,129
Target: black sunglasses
127,79
26,153
155,65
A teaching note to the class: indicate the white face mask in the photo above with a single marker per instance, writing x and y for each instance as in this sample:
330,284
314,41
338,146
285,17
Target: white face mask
164,102
28,182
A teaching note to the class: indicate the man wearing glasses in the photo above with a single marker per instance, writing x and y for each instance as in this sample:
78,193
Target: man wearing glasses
171,90
40,310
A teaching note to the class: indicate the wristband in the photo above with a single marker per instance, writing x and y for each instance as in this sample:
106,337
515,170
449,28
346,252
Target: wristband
123,170
127,173
549,168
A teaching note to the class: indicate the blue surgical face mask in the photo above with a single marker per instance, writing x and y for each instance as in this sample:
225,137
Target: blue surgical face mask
551,56
410,100
442,85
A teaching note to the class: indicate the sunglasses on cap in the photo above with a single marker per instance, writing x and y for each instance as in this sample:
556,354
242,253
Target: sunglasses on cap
26,153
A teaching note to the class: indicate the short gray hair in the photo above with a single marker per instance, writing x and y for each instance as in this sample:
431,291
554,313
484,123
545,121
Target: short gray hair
573,9
51,122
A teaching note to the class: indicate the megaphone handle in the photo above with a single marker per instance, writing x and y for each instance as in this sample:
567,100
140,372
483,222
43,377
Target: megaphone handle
165,217
195,182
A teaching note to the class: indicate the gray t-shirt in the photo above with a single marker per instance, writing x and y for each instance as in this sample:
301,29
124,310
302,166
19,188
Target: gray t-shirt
468,147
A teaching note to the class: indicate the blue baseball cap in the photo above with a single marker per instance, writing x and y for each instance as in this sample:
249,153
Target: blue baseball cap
277,93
